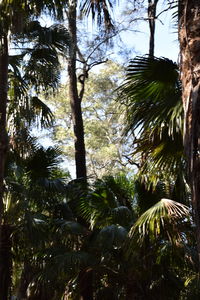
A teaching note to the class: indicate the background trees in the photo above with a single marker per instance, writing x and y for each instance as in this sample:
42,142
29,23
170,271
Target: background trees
103,119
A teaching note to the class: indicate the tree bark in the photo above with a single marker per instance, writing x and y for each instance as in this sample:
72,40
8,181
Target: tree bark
5,262
189,38
75,100
4,273
152,5
3,115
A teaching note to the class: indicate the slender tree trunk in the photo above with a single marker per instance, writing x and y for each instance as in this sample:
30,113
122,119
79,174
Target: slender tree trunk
75,100
152,5
3,152
189,37
86,291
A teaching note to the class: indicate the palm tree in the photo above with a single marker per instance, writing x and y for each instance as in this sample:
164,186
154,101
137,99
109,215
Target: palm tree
126,247
35,69
34,189
104,208
163,237
19,92
10,24
152,95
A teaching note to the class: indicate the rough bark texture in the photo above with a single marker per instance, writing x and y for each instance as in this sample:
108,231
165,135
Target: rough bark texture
152,5
4,235
75,100
189,37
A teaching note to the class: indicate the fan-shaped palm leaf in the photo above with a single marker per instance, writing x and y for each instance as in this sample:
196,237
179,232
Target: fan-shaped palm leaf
42,111
41,48
106,204
152,94
100,10
55,37
111,237
155,219
70,227
43,162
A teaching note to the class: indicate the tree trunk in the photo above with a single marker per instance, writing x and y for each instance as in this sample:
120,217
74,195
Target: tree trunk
3,106
189,37
86,292
75,100
152,5
5,262
85,285
4,280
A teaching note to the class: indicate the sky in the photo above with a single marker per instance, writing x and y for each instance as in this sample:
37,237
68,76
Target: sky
166,38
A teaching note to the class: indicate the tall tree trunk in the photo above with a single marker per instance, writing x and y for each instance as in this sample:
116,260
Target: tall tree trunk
152,5
3,106
86,292
75,100
4,285
189,37
5,262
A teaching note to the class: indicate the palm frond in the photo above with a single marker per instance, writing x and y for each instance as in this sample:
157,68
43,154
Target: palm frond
55,36
42,112
43,46
43,162
17,85
152,94
41,69
106,203
152,91
111,236
68,227
192,286
60,260
161,154
154,220
100,11
53,184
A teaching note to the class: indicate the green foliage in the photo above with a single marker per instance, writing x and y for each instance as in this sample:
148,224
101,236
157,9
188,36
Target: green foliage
108,203
155,219
152,93
41,47
113,230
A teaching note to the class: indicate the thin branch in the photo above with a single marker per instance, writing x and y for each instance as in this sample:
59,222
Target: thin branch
163,11
90,66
